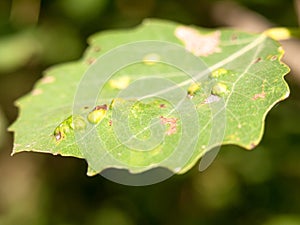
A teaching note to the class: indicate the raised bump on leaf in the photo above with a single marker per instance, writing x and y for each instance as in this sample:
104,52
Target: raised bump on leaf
193,89
65,127
97,114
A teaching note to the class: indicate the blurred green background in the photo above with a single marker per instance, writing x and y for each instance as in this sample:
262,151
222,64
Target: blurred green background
241,187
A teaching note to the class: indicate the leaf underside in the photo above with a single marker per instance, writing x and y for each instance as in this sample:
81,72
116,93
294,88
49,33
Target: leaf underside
246,74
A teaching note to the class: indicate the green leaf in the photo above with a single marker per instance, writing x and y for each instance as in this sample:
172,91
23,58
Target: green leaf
16,50
231,103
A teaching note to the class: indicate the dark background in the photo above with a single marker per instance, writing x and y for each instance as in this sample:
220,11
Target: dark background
241,187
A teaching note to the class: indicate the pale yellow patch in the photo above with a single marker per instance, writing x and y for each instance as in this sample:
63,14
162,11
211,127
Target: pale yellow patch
197,43
120,83
36,92
47,80
219,72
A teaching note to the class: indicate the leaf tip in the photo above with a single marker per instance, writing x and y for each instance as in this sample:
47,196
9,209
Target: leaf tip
14,150
252,146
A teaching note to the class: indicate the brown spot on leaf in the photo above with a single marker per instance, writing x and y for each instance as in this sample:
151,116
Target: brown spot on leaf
96,48
257,60
234,37
162,106
273,58
98,107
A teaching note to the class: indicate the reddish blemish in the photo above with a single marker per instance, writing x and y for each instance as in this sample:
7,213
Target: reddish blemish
162,106
58,136
98,107
48,79
190,96
257,60
97,48
172,122
110,123
260,95
234,37
273,58
36,92
91,61
252,145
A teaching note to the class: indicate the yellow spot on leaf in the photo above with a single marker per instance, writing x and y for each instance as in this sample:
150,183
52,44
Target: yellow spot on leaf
219,72
120,83
193,89
97,114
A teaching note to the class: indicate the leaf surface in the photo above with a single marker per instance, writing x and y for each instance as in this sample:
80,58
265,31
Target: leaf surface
246,78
